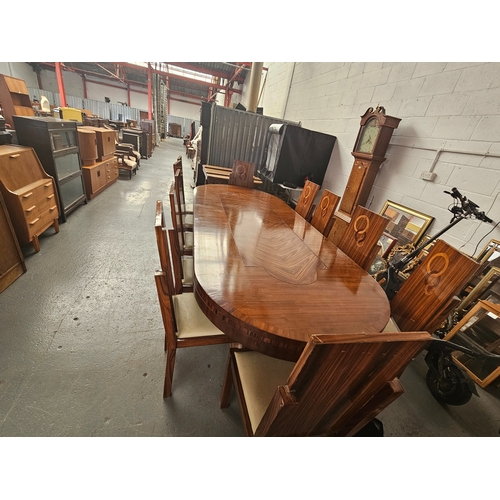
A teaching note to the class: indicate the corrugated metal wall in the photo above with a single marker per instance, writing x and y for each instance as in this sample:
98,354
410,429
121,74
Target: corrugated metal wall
238,135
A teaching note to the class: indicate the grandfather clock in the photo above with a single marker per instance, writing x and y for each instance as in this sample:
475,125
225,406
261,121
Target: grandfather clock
371,144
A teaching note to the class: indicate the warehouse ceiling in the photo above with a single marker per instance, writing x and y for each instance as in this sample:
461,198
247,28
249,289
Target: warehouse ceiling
189,81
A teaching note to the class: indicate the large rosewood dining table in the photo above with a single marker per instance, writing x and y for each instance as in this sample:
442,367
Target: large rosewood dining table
270,280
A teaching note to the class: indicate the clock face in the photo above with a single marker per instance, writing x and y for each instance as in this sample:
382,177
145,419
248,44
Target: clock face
368,136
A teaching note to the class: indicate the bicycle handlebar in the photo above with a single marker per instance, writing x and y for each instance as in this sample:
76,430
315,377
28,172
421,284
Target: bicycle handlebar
468,207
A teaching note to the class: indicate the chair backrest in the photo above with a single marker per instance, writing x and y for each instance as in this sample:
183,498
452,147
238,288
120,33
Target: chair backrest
304,206
179,191
242,173
325,396
361,237
164,252
178,164
322,218
175,213
175,252
423,300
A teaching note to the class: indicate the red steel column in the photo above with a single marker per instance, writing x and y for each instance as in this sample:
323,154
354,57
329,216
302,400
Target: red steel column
60,84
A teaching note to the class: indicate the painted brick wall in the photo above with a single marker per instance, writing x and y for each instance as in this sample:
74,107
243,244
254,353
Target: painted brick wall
453,106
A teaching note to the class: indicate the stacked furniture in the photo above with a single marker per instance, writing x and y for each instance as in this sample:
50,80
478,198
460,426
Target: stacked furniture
55,142
29,192
11,258
97,175
15,98
138,138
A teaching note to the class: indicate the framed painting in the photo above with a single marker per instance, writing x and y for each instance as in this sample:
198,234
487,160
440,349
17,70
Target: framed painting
405,224
479,330
386,243
490,252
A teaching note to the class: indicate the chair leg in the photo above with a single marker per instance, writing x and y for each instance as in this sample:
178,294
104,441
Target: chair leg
227,384
169,373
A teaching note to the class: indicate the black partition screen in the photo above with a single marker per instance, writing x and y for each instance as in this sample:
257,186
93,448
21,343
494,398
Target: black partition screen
299,154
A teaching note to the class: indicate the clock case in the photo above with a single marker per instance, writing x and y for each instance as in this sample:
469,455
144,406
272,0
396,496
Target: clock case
366,165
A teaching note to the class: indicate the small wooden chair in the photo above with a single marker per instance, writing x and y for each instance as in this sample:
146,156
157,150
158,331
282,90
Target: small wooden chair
126,162
360,240
322,394
186,238
305,205
322,218
430,293
185,323
242,173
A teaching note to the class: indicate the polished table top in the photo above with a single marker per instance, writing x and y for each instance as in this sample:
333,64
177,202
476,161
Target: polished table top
270,280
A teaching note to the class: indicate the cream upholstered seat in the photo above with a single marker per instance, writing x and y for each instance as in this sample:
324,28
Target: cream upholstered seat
260,375
184,322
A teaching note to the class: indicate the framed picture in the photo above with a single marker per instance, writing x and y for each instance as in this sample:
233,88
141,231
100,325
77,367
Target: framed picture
488,282
406,225
478,330
386,243
490,252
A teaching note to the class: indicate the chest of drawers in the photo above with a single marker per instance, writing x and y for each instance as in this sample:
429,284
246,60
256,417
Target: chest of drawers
29,192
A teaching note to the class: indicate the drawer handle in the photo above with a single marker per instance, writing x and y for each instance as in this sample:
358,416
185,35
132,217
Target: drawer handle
50,196
30,209
15,156
34,221
48,184
27,195
51,209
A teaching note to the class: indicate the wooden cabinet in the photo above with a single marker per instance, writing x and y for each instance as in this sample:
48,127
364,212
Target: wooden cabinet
11,258
88,145
106,145
55,142
14,98
29,193
99,176
149,127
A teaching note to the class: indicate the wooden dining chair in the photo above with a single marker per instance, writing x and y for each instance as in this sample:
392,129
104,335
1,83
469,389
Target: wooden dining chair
184,322
360,240
431,291
242,173
322,394
186,238
305,205
322,218
182,265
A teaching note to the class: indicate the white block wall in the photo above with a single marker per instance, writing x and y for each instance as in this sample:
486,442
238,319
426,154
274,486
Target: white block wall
453,106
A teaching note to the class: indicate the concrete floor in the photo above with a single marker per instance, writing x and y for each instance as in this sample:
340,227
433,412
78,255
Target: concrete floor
81,336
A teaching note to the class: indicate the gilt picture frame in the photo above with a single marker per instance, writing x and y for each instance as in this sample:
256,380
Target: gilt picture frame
405,224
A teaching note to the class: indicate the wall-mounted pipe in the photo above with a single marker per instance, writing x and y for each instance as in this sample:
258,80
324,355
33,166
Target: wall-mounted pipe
255,76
